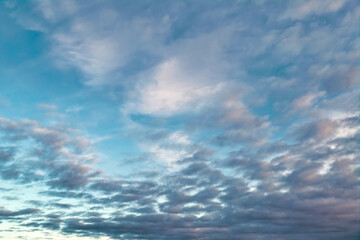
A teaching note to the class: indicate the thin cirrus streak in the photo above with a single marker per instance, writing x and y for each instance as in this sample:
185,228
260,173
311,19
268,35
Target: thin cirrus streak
179,120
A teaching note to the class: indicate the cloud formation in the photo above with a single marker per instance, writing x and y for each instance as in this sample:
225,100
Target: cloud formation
180,120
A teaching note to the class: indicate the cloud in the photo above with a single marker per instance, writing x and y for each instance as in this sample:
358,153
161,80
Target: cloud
203,199
70,175
303,9
317,130
100,53
174,91
7,153
55,155
47,107
191,74
9,214
306,100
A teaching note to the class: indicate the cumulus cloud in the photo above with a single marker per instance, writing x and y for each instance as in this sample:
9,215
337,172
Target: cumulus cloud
270,192
174,90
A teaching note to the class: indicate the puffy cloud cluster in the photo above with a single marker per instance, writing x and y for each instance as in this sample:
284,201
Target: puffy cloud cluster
308,188
39,153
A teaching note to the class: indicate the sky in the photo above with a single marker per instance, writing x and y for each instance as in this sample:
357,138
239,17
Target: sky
228,120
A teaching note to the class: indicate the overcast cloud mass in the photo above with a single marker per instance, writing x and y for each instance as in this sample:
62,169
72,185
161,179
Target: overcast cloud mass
228,120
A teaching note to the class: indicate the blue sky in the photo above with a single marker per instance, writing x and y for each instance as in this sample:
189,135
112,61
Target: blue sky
179,119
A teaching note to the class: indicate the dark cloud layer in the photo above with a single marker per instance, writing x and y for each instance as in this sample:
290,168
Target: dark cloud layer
240,197
254,195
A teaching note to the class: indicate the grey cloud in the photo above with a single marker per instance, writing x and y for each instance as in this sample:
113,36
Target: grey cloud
314,206
9,214
47,159
71,175
317,130
6,153
66,194
108,186
61,205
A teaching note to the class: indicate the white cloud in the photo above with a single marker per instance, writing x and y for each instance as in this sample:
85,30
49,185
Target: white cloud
170,150
193,72
48,107
174,90
53,11
303,9
74,108
306,100
102,42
